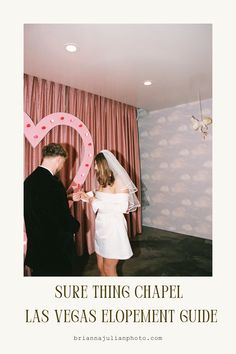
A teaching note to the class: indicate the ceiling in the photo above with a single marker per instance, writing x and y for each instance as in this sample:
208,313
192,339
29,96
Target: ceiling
113,60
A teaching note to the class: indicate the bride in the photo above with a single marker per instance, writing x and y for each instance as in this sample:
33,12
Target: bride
114,197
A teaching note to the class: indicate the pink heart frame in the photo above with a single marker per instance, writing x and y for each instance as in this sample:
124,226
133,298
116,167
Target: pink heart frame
35,133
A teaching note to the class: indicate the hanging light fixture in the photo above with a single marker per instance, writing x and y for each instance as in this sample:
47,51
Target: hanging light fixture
202,123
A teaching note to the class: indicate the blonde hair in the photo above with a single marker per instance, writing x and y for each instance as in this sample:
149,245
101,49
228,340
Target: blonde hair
104,174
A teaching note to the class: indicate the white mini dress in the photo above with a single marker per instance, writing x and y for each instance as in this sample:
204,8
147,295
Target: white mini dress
111,238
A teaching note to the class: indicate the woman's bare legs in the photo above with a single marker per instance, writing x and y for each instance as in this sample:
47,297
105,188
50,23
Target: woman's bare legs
109,267
100,264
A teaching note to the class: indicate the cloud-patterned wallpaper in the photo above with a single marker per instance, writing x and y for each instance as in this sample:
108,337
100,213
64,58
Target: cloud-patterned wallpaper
176,170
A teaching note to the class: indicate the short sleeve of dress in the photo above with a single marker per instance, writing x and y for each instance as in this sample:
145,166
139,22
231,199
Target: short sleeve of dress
95,204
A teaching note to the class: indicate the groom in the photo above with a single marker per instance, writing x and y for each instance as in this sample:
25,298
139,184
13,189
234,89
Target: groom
50,227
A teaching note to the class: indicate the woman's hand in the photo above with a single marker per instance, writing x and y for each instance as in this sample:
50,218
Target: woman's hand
84,197
76,196
80,195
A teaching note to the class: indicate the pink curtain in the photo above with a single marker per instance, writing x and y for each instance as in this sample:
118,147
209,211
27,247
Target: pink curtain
113,126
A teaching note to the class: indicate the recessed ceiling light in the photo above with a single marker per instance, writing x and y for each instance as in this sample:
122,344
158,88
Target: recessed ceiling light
147,83
70,47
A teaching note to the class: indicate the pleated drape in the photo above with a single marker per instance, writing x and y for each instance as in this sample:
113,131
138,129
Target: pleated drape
113,126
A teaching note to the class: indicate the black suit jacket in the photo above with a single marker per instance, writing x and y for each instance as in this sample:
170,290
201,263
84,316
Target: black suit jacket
49,223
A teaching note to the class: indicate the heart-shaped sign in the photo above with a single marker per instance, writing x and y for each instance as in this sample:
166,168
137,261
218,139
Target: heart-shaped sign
35,133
